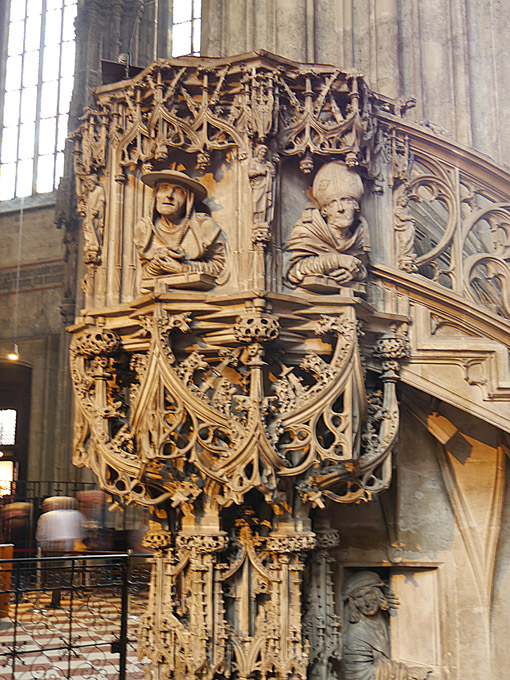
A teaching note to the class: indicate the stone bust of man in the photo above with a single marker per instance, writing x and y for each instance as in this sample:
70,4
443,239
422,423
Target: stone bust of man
330,241
366,641
175,239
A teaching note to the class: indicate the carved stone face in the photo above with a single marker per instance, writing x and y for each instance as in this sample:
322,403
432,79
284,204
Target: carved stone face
260,152
339,212
90,183
367,600
171,201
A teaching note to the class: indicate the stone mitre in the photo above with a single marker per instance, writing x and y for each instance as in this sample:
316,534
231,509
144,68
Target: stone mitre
336,179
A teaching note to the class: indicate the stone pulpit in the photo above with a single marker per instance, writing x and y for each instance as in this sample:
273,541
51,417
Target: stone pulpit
251,230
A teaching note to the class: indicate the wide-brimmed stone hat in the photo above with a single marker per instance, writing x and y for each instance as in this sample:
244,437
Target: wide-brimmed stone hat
175,177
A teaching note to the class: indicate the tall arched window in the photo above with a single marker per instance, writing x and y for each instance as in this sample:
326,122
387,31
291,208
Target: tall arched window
37,62
39,75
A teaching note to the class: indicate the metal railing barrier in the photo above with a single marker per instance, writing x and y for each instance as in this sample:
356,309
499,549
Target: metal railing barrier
73,616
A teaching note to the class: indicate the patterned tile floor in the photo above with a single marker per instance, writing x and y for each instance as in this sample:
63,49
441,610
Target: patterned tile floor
91,621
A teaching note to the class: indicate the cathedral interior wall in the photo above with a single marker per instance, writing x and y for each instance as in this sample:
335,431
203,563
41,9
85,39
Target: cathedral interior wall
441,533
440,536
40,335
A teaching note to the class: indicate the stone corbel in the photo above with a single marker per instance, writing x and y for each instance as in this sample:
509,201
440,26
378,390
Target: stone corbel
390,349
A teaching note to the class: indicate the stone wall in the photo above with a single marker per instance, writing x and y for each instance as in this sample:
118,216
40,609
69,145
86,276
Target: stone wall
438,531
41,338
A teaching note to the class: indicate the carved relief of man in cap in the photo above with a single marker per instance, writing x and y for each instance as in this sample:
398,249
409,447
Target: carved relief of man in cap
175,238
366,642
331,238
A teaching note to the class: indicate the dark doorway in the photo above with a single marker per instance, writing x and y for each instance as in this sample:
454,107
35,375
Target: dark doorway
15,382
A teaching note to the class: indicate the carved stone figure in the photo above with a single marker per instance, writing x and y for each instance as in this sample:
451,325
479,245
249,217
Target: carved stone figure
93,223
366,644
261,172
175,239
405,231
329,244
70,263
203,160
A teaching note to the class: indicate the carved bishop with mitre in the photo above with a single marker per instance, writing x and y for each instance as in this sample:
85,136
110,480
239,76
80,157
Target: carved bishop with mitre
175,239
331,238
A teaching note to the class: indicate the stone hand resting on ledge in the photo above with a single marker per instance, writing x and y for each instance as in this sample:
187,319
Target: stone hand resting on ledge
178,240
330,239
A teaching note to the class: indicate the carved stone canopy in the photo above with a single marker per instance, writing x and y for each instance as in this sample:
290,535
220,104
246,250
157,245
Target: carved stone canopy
233,419
227,398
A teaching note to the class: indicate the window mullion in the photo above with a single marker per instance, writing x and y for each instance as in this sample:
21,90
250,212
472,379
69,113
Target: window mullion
59,87
20,105
39,93
4,39
192,26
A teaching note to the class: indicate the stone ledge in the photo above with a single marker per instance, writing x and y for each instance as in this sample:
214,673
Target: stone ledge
29,203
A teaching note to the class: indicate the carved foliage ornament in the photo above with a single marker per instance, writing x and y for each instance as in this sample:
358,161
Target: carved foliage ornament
158,425
335,121
173,105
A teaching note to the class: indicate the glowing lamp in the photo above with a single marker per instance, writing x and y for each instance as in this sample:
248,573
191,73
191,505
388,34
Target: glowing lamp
13,355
